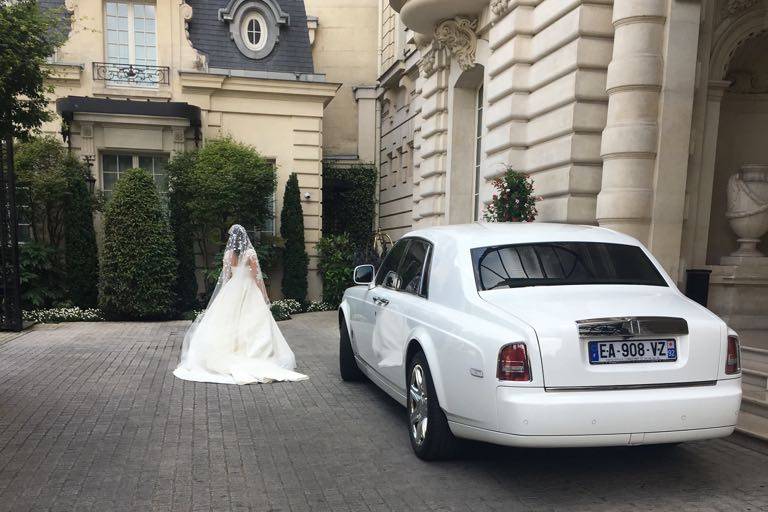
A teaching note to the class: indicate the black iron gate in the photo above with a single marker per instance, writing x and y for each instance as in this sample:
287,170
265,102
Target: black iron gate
10,313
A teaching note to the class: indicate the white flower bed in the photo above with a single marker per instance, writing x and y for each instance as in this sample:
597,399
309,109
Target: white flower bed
56,315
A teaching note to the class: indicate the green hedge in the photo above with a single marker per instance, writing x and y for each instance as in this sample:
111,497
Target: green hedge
336,263
295,259
138,268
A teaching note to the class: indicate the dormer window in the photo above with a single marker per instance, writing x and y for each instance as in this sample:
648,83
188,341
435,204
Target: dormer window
254,25
255,31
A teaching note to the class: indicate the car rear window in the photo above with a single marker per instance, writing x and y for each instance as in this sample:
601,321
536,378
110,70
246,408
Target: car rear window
562,263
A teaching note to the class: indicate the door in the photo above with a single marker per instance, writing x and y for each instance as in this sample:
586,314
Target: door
399,300
364,323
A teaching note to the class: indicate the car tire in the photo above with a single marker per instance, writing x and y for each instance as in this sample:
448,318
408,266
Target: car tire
348,368
431,437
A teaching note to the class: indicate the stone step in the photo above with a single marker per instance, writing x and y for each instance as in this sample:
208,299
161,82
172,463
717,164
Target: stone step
753,425
754,400
752,357
754,378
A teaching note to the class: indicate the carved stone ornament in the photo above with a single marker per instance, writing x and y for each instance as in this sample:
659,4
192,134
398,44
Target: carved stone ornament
458,36
499,7
748,213
428,62
186,14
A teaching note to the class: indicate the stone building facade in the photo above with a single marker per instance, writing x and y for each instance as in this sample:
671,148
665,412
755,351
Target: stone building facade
140,80
643,116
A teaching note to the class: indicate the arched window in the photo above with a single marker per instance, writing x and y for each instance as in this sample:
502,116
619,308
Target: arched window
478,148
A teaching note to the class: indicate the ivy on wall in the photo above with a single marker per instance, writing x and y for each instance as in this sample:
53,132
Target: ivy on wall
349,202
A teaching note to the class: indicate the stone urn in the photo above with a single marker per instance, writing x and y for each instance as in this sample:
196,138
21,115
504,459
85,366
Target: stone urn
748,213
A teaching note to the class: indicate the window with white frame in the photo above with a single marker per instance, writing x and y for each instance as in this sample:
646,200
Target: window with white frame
478,148
131,40
255,29
114,164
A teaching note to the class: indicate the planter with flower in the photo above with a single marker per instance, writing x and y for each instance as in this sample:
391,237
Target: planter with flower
513,200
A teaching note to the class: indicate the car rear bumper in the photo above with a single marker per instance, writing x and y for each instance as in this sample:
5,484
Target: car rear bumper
535,417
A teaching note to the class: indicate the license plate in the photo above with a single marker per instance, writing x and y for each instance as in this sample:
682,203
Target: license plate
635,351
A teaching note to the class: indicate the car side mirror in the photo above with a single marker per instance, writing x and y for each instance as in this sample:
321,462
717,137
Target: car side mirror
363,274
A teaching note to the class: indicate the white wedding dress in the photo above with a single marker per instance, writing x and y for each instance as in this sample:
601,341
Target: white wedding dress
236,340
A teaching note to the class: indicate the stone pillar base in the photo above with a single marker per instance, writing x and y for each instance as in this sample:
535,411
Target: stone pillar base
739,295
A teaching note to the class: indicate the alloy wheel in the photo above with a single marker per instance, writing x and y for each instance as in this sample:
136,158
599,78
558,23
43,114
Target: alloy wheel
418,404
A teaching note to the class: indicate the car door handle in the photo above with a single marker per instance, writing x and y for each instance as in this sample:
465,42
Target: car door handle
380,301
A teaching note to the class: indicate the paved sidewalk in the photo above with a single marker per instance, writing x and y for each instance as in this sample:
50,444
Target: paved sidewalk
91,418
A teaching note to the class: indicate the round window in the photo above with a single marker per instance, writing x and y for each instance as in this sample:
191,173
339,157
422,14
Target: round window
254,31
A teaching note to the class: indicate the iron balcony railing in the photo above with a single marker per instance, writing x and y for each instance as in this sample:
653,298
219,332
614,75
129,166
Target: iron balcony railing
139,75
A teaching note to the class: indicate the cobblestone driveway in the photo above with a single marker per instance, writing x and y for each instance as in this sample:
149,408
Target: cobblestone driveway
92,419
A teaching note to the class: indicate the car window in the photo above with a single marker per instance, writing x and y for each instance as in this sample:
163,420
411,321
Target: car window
387,274
563,263
412,267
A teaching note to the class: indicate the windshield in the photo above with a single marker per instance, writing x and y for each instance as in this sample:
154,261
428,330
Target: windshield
562,263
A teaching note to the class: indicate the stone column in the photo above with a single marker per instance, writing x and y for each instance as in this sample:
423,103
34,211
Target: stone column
629,142
700,202
365,97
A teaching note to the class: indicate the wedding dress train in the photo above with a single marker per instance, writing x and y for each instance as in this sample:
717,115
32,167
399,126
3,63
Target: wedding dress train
236,340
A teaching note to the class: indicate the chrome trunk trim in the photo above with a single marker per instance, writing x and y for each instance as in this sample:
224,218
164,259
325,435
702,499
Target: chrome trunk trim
634,386
631,326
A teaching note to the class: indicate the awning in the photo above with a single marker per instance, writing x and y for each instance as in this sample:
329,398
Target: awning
68,106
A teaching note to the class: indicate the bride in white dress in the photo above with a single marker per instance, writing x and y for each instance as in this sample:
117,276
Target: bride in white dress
236,340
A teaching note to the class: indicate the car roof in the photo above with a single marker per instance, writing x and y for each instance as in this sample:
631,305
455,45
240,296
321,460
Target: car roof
482,234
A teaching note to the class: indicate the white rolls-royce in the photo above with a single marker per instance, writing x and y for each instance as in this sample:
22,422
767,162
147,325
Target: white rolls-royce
538,335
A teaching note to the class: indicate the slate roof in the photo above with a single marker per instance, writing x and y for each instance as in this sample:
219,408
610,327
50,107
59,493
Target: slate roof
210,36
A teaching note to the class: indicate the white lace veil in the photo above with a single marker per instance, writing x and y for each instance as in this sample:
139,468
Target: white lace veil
239,251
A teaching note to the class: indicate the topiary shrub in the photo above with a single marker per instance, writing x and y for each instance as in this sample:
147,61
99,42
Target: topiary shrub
182,229
295,260
138,268
336,263
81,260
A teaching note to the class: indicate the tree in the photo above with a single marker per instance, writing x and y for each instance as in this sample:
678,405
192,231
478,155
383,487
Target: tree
295,260
229,182
42,185
81,258
138,268
180,194
27,37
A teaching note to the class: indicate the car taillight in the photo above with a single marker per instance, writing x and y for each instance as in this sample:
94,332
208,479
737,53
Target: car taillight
513,363
732,358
